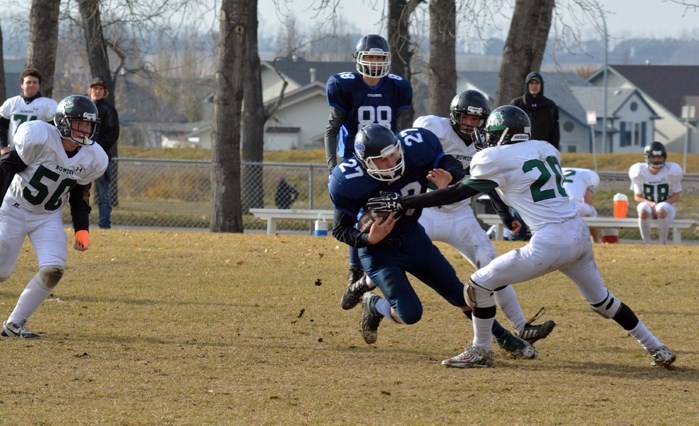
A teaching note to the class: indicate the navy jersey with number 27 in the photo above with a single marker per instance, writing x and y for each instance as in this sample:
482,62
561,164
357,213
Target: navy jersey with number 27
350,186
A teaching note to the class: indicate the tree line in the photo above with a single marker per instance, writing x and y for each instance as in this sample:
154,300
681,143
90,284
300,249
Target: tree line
238,108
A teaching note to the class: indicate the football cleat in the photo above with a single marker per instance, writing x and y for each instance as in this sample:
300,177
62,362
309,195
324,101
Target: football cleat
662,356
516,347
531,333
370,318
472,357
354,292
354,275
11,329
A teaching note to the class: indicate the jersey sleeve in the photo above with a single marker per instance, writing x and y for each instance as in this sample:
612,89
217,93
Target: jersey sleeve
485,166
48,109
405,94
29,141
335,93
636,178
675,177
431,123
6,108
593,181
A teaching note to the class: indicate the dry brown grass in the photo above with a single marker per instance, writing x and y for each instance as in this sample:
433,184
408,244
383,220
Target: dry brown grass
198,328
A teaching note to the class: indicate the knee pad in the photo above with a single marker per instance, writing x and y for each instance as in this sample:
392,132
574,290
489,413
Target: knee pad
49,276
608,307
477,296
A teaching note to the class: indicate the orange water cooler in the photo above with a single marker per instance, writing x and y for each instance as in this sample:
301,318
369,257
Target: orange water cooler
621,205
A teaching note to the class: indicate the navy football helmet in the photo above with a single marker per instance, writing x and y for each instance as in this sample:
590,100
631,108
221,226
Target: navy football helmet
506,125
656,149
468,102
377,142
76,107
373,45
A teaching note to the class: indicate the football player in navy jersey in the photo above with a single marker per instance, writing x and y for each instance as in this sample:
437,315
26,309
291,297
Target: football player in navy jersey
369,95
396,245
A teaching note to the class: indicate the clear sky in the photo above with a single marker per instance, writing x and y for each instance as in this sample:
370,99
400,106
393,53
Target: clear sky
625,18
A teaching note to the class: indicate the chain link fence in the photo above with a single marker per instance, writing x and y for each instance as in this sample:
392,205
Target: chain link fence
178,194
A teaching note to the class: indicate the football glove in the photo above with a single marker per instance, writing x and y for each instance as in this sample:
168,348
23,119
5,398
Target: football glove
387,202
82,240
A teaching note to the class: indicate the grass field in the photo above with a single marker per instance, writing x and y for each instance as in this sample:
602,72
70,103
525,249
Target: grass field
164,328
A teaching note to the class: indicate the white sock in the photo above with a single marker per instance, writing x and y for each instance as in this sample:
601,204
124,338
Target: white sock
644,227
482,332
29,301
506,299
644,336
662,230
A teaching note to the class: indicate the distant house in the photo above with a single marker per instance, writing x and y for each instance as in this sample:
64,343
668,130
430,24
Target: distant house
13,69
630,118
666,89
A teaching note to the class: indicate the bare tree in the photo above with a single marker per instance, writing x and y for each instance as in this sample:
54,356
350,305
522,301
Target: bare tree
226,214
254,118
43,41
442,63
524,47
399,12
3,93
96,45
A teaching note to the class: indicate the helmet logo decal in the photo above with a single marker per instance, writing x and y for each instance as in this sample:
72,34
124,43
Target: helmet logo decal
472,110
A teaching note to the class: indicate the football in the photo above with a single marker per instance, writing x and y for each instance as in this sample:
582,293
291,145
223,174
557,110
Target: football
368,218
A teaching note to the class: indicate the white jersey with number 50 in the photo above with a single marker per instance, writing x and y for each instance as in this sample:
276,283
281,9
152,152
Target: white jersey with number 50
18,111
44,185
531,173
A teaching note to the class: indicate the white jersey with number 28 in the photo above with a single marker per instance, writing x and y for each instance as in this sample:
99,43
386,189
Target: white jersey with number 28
531,172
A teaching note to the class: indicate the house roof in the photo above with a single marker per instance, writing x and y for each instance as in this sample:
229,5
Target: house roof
669,85
556,87
592,99
293,97
299,69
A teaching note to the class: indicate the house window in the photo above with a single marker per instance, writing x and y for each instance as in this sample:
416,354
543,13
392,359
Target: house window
568,126
633,106
632,133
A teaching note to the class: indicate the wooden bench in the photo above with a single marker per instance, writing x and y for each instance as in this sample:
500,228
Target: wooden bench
272,216
602,222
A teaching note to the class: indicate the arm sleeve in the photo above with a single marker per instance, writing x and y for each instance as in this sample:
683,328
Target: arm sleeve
4,130
335,121
79,200
345,231
449,195
502,209
10,164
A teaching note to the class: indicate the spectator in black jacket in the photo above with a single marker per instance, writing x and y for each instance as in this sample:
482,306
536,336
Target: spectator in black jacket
106,136
541,110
